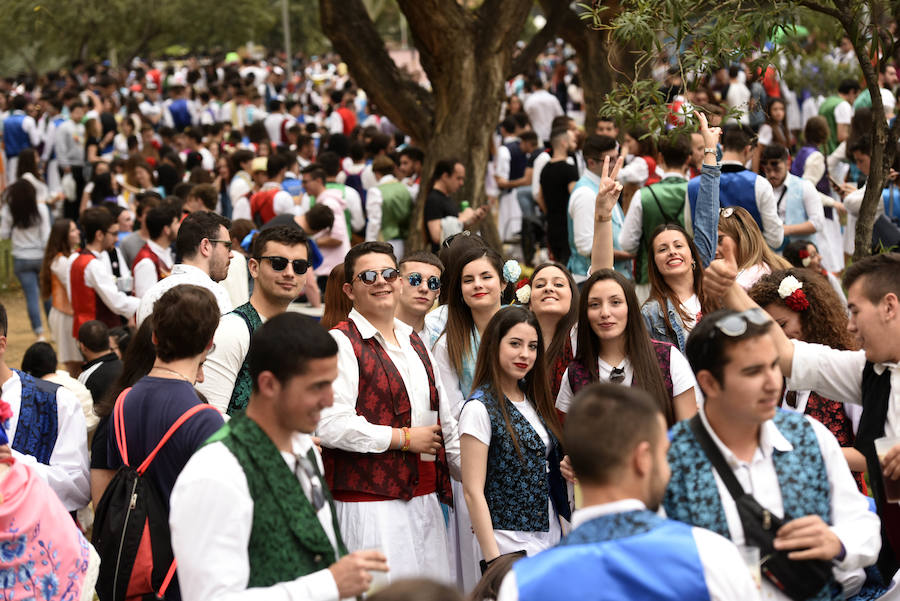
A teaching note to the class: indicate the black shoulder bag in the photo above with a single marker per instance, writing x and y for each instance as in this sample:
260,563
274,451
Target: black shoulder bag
798,579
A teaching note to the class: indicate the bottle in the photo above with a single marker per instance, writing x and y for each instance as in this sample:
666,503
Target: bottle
464,205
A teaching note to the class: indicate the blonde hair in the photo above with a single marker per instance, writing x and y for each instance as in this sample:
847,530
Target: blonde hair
752,249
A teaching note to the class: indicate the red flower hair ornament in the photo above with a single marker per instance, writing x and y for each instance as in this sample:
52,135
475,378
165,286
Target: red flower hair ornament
791,292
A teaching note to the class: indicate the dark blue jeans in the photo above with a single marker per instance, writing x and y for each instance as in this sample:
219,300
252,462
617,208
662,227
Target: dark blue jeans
27,271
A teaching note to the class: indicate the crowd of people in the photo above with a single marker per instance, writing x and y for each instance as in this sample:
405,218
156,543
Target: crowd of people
669,382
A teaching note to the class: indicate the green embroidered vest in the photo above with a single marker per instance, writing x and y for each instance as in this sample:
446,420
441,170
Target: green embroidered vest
396,209
243,385
286,540
671,193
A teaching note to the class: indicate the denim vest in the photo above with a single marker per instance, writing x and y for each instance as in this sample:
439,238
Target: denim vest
517,487
37,424
634,555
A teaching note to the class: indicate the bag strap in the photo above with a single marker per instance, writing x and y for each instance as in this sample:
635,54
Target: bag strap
715,457
169,433
659,206
119,425
161,595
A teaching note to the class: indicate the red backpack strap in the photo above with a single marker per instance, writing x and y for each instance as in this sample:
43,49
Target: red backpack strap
171,431
119,424
167,580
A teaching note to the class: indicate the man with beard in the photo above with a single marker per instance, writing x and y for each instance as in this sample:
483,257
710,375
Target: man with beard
616,440
278,265
204,246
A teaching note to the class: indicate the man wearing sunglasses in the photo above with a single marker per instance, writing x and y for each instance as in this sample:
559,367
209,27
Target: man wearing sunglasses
278,266
420,275
384,437
789,463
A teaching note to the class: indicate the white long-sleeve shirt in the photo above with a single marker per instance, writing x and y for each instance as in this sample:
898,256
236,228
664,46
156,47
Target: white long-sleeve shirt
341,427
145,275
182,274
68,473
211,518
98,276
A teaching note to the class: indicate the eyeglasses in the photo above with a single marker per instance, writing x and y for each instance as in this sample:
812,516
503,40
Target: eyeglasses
735,324
617,375
726,212
370,276
227,244
280,263
415,280
772,164
109,233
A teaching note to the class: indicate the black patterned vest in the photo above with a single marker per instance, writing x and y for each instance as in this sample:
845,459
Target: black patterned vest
243,384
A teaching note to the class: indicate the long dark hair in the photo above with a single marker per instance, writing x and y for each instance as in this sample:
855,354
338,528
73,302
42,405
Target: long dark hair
22,201
638,347
557,345
660,291
137,363
780,133
536,384
29,162
57,244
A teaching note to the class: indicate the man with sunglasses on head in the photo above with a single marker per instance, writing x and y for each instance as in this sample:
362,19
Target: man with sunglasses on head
385,435
789,463
278,265
204,245
420,274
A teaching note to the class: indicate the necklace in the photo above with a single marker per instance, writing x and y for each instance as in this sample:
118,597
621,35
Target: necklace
171,371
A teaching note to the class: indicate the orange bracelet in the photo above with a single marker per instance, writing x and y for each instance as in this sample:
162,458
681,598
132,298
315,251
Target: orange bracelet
405,446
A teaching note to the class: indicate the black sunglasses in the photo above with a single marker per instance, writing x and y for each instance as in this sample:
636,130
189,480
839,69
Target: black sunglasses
370,276
280,264
415,280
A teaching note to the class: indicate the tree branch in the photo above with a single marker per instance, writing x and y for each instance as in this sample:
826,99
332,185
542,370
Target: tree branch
409,106
540,40
821,8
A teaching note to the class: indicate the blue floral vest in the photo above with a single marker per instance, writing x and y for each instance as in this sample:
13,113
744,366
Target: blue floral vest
516,491
635,555
37,423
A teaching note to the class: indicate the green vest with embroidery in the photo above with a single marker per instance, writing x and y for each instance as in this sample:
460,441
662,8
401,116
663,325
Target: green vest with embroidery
671,193
396,209
243,384
827,111
287,540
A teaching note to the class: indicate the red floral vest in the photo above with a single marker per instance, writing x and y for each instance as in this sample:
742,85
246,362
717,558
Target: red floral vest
86,305
382,399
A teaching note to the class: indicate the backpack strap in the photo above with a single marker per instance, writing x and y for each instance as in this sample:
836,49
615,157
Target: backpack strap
171,431
167,580
119,425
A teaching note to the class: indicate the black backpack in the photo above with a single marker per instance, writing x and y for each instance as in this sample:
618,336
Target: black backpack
131,525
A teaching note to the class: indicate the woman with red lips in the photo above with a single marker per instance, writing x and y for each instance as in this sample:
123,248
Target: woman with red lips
554,302
510,442
613,346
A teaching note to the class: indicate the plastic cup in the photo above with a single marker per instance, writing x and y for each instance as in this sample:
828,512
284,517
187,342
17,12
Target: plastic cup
891,486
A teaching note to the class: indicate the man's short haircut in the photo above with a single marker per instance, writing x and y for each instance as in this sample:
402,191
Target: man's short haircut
605,424
39,360
529,136
880,275
444,167
423,256
378,143
848,85
158,218
508,125
675,148
383,165
275,164
282,234
707,347
736,137
522,120
557,134
330,162
94,335
95,219
184,321
207,195
560,121
196,227
315,171
183,189
775,152
145,202
286,344
413,153
319,217
238,157
595,146
365,248
861,144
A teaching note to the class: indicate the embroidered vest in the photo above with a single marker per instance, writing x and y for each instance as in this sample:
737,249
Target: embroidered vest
147,253
635,555
382,399
580,376
670,194
517,487
287,540
243,384
396,210
86,303
876,394
37,423
518,160
737,188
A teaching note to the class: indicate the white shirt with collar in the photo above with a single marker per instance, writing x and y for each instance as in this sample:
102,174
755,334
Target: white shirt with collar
183,274
632,228
374,202
68,473
212,552
726,574
145,274
97,275
858,529
766,204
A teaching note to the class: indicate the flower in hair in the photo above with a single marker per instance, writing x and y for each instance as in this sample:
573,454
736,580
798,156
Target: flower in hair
804,257
523,294
791,292
512,271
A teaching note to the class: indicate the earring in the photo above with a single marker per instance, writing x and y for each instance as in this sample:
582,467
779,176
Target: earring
693,264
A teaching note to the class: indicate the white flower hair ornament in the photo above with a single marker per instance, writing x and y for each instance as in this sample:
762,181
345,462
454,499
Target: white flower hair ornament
512,271
523,294
791,292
